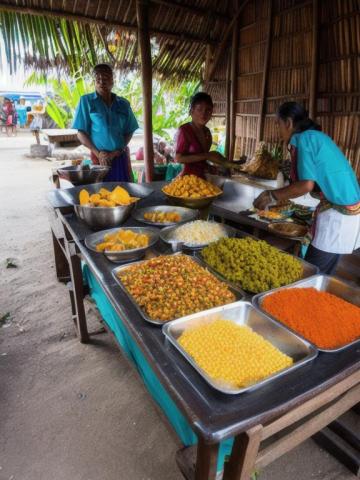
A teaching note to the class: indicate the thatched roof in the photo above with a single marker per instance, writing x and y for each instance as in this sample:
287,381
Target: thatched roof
183,33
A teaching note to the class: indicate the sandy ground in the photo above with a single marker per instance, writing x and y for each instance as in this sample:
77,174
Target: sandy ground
70,411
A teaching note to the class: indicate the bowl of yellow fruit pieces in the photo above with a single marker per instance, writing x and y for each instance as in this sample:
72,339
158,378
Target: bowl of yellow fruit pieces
105,208
191,191
124,244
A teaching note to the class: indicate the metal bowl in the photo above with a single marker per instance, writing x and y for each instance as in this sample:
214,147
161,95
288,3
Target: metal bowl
191,202
99,218
167,233
187,214
79,175
126,255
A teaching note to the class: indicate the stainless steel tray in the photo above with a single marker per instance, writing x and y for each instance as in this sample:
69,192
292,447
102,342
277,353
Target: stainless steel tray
243,313
167,233
308,268
187,215
70,196
126,255
238,295
323,283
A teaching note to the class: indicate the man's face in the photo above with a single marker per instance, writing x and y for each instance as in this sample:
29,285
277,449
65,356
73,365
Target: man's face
103,82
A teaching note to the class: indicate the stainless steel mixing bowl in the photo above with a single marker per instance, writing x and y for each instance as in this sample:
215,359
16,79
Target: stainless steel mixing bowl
79,175
191,202
126,255
99,218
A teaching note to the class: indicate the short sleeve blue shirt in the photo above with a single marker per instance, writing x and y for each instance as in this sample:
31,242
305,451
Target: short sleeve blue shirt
319,159
106,126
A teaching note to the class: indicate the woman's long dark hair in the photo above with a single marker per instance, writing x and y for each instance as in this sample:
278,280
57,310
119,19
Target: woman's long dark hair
299,116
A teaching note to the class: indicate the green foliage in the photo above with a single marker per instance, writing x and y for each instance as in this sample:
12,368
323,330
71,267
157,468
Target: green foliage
67,94
170,105
51,43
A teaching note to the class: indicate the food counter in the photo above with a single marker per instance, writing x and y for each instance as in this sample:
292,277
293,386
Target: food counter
210,424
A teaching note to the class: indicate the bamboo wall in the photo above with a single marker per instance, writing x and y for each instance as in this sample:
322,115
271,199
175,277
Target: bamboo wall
313,58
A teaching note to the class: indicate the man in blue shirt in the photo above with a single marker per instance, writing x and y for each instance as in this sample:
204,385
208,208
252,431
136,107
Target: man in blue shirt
105,124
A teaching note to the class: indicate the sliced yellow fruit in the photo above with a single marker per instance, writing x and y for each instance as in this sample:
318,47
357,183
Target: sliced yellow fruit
95,198
104,192
84,197
120,196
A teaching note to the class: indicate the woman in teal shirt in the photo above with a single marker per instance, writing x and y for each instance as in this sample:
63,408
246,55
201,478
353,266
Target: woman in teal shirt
317,164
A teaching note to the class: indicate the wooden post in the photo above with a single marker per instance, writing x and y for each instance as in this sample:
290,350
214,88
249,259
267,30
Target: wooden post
233,90
228,110
314,60
261,121
146,78
222,46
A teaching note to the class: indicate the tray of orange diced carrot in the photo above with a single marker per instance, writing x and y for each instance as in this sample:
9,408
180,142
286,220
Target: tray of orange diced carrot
322,309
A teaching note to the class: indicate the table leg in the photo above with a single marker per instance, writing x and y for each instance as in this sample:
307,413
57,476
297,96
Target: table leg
206,461
77,293
243,455
61,263
297,249
256,232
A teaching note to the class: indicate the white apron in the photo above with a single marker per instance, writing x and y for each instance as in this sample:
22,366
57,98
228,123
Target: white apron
336,232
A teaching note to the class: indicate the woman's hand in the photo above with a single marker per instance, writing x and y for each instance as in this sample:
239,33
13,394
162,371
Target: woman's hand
215,157
105,158
264,200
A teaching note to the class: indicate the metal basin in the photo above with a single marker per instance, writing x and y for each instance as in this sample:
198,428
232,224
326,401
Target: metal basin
238,295
186,215
322,283
197,203
167,235
126,255
99,218
79,175
308,268
243,313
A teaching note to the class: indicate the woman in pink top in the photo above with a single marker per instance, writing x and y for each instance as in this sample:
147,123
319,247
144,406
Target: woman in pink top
194,138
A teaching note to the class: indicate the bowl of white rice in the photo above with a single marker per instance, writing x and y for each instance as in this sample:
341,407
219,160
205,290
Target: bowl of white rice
195,235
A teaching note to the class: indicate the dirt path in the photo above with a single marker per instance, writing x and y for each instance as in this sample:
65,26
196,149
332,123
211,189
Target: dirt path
70,411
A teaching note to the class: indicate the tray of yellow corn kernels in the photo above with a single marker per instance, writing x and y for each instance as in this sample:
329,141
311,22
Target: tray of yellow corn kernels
236,348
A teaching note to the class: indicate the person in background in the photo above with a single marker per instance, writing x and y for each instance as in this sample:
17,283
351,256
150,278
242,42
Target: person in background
21,110
37,111
194,140
10,117
317,164
165,150
105,124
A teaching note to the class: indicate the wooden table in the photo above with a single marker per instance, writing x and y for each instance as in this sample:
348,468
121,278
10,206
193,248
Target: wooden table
280,415
60,135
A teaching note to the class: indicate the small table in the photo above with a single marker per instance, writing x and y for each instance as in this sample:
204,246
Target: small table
61,135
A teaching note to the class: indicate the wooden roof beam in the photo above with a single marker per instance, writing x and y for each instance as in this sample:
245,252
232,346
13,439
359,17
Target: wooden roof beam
225,37
99,21
202,12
